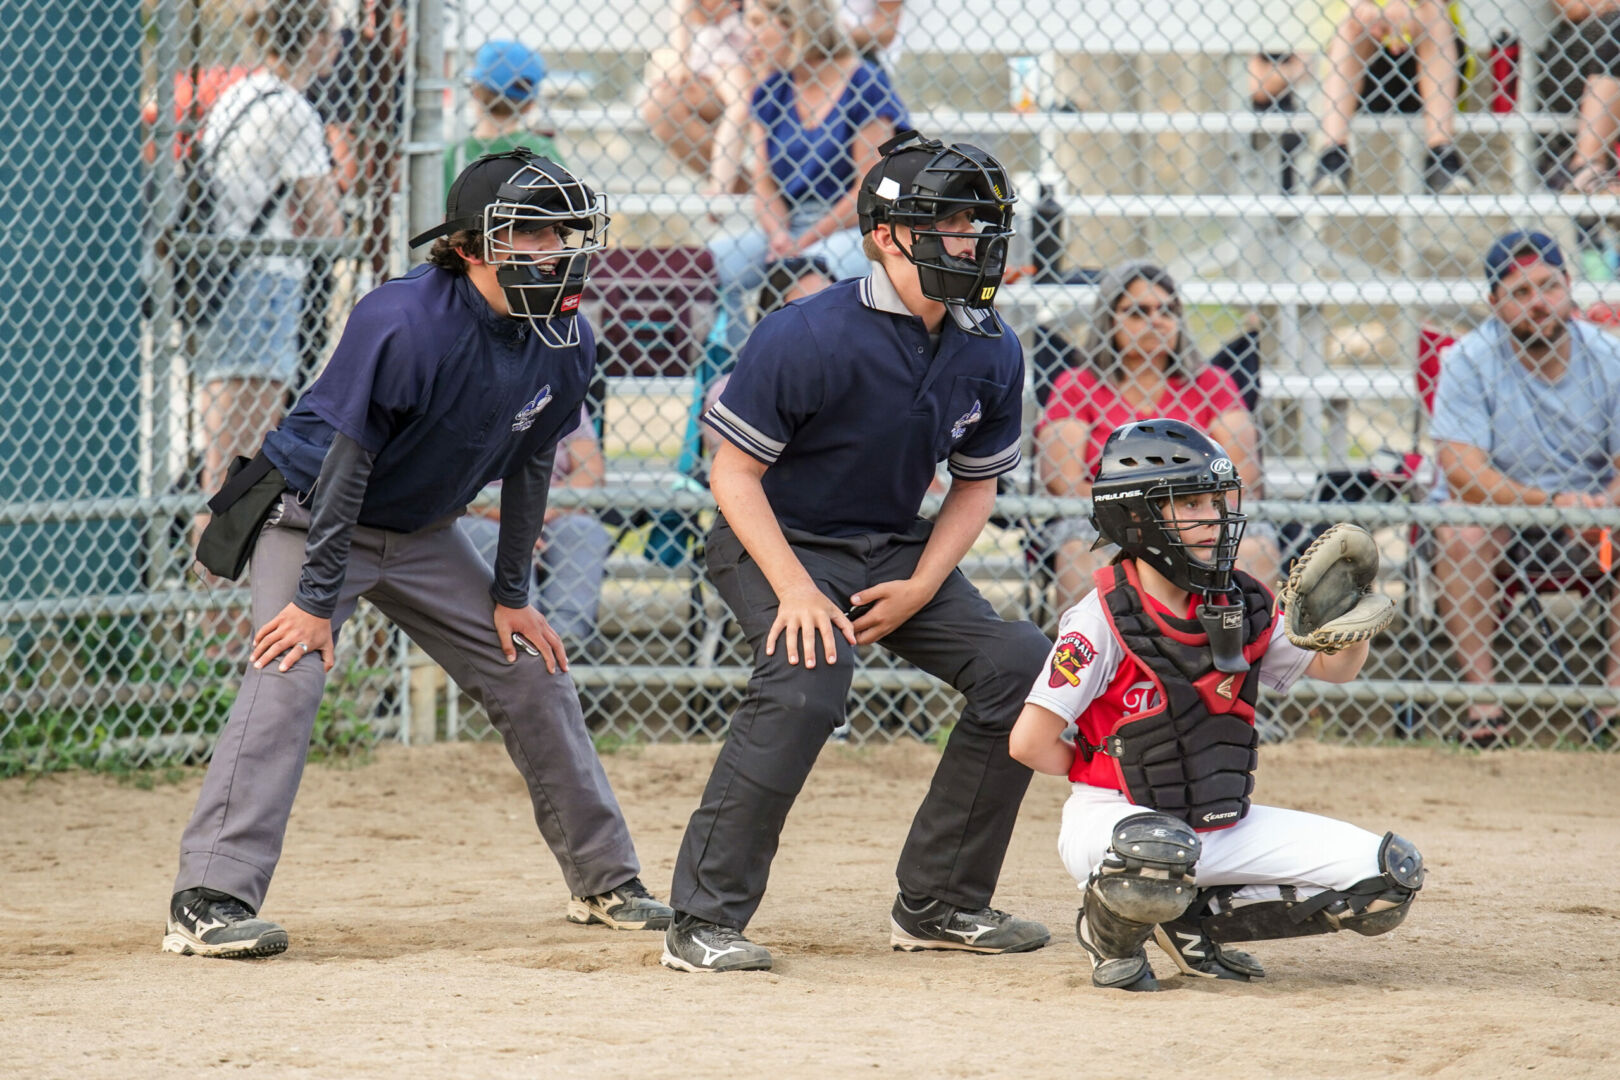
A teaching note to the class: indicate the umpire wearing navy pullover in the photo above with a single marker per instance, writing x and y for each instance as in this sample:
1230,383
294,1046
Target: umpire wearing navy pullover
840,409
461,372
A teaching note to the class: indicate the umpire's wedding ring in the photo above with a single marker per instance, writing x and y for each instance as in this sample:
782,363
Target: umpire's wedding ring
302,646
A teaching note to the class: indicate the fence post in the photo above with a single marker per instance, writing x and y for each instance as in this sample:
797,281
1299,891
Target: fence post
426,146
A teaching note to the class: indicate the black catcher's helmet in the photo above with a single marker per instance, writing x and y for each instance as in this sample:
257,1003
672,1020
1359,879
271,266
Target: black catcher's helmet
520,191
919,183
1151,461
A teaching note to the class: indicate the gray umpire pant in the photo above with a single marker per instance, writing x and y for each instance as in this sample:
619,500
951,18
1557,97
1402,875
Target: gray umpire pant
436,588
960,834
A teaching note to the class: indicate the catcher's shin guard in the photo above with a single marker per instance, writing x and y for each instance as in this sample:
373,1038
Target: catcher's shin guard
1146,878
1372,906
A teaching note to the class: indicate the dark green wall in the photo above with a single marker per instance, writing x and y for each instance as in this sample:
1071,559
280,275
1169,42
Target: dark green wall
69,216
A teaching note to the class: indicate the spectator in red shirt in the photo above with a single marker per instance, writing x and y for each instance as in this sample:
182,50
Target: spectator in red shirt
1139,362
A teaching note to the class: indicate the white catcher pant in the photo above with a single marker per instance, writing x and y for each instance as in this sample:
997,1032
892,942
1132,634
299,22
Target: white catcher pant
1268,849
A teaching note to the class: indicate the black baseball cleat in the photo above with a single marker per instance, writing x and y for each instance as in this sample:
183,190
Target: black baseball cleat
1185,943
938,925
1131,972
206,922
629,907
691,944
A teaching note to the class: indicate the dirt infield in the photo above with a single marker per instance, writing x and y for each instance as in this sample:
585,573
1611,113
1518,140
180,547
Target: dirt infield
428,937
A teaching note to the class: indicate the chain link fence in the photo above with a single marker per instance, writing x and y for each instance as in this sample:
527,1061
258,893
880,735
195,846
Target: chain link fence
1268,218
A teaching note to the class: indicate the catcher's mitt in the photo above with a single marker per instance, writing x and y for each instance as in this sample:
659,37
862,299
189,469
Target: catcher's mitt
1329,601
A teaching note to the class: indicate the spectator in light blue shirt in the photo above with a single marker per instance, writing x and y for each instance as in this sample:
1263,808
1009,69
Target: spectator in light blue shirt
1527,412
816,122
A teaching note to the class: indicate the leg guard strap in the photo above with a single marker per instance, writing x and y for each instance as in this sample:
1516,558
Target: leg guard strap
1402,877
1272,919
1372,906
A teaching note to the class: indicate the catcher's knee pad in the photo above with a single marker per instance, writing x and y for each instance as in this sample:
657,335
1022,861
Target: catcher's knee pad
1372,906
1147,875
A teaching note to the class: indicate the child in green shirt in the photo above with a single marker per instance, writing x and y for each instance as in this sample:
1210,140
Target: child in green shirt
505,83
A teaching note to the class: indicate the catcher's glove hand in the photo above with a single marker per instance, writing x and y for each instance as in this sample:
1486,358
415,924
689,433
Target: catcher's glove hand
1328,602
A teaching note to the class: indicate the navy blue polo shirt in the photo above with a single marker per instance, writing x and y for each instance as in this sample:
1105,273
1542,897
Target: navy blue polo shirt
844,397
446,393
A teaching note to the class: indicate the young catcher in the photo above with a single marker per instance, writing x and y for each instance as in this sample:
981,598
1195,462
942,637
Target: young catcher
841,408
464,371
1159,668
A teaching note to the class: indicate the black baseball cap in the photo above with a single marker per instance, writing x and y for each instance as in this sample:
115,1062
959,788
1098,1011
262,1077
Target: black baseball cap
1510,248
489,180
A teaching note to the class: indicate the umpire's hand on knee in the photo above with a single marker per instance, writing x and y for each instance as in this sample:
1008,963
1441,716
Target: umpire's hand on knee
293,634
529,624
802,615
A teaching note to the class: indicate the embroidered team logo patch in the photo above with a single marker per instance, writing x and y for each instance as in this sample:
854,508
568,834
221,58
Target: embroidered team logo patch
524,420
967,420
1071,656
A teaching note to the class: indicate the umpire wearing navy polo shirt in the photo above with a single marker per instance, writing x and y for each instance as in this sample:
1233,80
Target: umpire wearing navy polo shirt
464,371
840,410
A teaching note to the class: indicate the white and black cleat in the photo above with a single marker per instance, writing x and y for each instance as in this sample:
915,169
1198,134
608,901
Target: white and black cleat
691,944
206,922
629,907
1185,943
938,925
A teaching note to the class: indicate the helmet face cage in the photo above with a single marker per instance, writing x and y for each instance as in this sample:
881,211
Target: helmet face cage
1145,525
957,178
1188,570
545,285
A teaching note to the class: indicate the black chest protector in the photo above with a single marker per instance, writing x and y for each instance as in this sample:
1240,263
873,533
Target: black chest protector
1192,755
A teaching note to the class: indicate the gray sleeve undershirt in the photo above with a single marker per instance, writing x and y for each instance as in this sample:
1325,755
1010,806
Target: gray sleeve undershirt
337,496
523,515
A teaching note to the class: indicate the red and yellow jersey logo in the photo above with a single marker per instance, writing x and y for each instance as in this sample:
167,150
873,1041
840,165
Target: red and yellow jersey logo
1071,656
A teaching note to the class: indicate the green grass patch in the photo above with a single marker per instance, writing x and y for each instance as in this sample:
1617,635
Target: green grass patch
122,698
